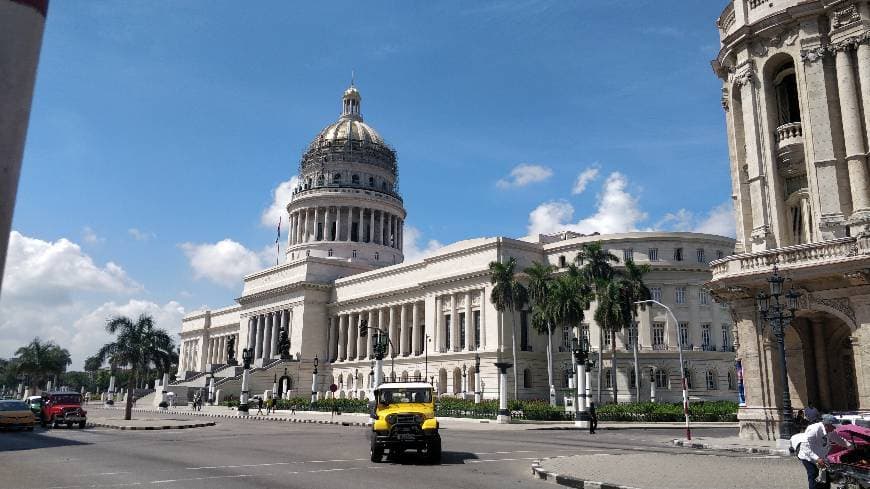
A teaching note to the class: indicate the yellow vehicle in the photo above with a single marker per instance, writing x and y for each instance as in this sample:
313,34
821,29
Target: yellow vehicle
404,419
16,414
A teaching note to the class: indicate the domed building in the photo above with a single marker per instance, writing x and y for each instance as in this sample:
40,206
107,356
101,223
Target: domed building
345,269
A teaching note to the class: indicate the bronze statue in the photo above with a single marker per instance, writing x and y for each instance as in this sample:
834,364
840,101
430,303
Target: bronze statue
284,345
247,357
231,351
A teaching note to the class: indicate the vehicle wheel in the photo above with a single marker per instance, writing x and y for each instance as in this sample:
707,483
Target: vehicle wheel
69,426
377,452
43,423
82,424
433,451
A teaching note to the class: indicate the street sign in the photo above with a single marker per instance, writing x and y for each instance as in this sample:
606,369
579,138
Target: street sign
333,388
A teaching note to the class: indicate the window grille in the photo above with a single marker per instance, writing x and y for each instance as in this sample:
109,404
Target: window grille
680,295
627,254
653,254
656,293
678,254
684,334
701,255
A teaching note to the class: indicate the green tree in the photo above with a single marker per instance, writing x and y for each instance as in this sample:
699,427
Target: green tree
613,312
138,345
76,380
508,294
597,269
540,286
40,360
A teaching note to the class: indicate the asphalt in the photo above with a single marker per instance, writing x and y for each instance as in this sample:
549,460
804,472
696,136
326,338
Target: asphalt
237,453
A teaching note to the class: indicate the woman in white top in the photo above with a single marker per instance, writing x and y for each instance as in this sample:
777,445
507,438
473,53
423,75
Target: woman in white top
815,448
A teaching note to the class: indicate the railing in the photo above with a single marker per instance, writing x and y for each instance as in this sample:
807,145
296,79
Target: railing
708,347
800,255
788,134
755,3
660,347
727,19
727,349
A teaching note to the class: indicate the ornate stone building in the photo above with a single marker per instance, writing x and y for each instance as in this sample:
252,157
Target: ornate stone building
796,94
345,268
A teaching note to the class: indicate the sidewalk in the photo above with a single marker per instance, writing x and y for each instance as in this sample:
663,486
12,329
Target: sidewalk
149,423
654,471
733,444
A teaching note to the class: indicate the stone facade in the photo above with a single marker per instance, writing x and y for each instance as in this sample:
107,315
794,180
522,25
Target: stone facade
339,274
796,95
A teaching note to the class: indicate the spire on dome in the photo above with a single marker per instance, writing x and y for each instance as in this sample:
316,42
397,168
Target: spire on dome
351,101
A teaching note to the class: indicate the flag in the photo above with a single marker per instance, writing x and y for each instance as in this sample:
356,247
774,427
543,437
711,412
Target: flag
277,238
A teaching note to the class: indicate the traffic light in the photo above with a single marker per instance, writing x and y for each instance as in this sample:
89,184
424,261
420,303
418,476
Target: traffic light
364,328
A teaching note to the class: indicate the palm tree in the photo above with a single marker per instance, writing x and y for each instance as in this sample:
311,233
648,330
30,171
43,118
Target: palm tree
540,286
614,311
40,360
597,269
569,300
637,291
139,346
508,294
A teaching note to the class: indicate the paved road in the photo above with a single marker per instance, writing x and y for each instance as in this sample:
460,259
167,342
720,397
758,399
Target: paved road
246,454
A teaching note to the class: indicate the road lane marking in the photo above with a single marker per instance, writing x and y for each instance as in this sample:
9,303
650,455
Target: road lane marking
168,481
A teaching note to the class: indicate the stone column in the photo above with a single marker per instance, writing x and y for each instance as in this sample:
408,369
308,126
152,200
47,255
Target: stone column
381,229
330,340
436,325
349,222
401,233
327,229
483,305
317,217
850,110
454,324
369,342
276,331
360,230
415,328
261,326
761,232
821,357
352,332
267,338
342,337
303,236
371,226
469,323
221,349
403,330
338,223
392,333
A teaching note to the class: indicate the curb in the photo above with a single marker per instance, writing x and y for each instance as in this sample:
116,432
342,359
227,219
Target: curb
247,418
151,428
754,450
570,481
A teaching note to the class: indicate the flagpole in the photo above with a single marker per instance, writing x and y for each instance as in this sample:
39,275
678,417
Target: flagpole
278,242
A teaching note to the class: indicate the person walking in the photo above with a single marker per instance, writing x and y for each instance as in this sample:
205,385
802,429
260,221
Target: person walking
259,405
811,413
593,418
814,449
269,403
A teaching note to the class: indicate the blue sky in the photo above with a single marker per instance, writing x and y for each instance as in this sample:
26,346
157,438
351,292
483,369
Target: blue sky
160,131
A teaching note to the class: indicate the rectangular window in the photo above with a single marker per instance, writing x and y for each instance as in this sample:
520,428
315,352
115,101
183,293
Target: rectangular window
653,254
475,315
524,331
627,254
705,336
566,338
658,336
701,255
656,293
447,329
726,336
684,334
703,297
678,254
461,330
584,334
680,295
606,336
631,337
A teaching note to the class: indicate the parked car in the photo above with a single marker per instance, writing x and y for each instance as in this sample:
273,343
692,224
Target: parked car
849,468
404,419
35,403
16,414
63,408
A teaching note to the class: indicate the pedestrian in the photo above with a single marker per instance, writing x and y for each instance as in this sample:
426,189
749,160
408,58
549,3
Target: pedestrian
293,408
269,403
259,405
811,413
593,418
814,449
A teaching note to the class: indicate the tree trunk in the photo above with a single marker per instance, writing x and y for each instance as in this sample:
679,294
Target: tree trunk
550,363
128,408
613,365
514,347
600,364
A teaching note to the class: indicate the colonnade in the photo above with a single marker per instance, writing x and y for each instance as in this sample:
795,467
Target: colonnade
216,349
264,331
346,223
404,323
190,355
851,112
459,324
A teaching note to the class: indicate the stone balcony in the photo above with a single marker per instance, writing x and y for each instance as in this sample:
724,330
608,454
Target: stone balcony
790,149
836,257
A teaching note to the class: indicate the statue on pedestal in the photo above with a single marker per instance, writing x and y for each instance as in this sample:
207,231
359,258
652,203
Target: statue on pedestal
247,357
284,345
231,351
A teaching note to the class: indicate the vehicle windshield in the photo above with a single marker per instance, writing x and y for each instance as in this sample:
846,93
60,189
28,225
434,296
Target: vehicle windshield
13,406
390,396
67,399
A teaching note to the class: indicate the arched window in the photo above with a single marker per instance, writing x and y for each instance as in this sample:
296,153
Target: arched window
354,179
336,178
377,256
329,252
712,382
732,386
787,101
562,262
457,380
662,379
405,376
393,376
632,379
527,378
689,381
442,381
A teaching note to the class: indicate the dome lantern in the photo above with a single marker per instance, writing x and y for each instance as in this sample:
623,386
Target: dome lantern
351,104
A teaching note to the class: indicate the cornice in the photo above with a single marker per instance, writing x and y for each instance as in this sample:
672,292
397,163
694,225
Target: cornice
275,291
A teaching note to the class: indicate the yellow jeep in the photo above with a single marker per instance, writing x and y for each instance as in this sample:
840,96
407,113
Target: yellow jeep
404,418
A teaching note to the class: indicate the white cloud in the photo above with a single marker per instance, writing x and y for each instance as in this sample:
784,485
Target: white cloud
89,236
140,235
617,211
280,198
223,263
584,178
718,220
415,251
55,291
525,174
682,220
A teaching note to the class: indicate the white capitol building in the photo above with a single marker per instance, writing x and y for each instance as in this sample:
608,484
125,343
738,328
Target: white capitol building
345,266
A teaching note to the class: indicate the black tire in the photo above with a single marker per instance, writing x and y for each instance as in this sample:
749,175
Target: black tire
43,422
377,452
69,425
433,451
82,424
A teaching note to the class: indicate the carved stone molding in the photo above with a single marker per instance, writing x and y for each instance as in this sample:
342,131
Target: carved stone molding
858,277
811,55
725,97
808,301
744,74
844,16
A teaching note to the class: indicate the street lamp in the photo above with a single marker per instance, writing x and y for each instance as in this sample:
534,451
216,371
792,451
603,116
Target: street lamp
247,357
580,352
209,381
314,381
773,312
477,390
464,382
682,369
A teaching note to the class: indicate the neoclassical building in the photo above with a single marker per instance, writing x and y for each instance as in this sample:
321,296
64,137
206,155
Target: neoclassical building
796,95
345,268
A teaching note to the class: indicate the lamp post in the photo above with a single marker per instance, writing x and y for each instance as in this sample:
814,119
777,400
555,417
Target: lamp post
464,381
652,385
477,390
247,357
580,353
209,381
314,381
773,312
682,364
504,415
426,357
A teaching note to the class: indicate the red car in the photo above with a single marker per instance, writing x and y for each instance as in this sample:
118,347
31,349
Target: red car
63,408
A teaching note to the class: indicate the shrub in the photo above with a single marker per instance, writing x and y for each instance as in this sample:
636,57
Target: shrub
709,411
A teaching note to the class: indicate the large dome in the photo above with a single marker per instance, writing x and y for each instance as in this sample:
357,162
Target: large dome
346,128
